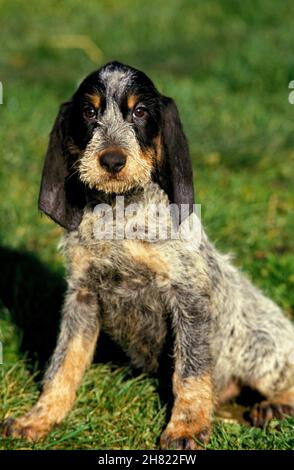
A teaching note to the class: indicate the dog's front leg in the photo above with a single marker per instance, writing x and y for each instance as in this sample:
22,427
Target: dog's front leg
190,422
73,353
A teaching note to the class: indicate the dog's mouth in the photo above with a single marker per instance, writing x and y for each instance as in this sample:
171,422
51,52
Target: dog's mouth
115,183
113,176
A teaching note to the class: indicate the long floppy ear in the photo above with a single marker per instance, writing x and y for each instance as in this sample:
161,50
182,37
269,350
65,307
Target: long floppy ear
62,195
175,175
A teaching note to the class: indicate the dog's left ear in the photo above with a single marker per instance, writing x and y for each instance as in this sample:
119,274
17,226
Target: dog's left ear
62,196
175,175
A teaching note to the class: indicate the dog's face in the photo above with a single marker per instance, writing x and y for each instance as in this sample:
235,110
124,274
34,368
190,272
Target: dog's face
115,134
116,126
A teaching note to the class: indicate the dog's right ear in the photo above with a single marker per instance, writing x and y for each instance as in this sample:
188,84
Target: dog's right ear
62,195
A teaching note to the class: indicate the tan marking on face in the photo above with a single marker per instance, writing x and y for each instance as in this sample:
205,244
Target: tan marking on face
132,101
158,146
148,156
95,100
139,165
144,253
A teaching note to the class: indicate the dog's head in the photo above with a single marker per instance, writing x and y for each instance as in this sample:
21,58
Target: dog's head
115,134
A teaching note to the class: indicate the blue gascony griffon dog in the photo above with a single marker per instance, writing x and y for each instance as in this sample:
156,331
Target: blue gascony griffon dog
119,136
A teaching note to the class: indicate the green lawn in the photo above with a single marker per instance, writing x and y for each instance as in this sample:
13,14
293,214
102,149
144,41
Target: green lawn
228,65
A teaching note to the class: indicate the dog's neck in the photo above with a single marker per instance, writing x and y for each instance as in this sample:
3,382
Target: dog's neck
144,208
137,194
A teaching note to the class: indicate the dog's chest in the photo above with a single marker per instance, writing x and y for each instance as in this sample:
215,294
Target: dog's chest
127,276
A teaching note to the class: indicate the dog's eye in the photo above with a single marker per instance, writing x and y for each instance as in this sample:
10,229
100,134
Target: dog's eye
140,112
89,112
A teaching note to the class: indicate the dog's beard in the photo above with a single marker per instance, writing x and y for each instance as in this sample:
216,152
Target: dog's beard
136,174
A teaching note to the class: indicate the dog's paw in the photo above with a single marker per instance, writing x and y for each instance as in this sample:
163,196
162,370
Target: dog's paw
181,440
262,413
24,429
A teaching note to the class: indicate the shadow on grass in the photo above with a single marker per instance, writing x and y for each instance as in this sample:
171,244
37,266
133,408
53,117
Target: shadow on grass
33,294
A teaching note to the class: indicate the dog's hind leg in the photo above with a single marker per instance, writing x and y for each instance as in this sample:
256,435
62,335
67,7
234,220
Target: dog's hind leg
231,391
278,406
271,368
73,353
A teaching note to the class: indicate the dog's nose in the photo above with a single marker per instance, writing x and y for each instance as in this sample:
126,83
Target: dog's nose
113,161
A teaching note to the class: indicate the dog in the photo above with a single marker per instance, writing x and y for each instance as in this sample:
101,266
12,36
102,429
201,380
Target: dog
118,136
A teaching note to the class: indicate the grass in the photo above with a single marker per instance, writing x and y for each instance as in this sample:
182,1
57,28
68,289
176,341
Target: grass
228,65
